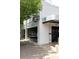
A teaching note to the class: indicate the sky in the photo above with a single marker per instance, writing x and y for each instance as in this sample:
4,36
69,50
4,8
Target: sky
53,2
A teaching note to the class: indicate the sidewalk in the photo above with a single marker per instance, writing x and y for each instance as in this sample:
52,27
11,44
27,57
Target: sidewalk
32,51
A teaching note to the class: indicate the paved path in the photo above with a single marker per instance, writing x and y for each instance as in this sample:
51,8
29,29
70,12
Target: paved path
29,50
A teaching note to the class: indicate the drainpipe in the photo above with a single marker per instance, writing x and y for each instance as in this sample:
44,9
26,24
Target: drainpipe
49,33
25,30
25,33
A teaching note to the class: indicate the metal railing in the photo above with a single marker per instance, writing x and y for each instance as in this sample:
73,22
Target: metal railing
31,24
51,17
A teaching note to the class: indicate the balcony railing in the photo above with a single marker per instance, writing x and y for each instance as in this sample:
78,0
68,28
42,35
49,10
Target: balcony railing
51,18
32,24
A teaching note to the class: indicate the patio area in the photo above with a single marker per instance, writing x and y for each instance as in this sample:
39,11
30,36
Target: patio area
30,50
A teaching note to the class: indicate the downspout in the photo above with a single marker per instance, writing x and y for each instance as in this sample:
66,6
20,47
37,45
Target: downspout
49,34
26,30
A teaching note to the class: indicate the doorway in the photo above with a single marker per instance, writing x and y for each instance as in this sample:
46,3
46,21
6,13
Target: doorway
55,34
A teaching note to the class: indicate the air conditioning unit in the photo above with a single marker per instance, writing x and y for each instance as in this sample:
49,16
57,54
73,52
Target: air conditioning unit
36,18
44,19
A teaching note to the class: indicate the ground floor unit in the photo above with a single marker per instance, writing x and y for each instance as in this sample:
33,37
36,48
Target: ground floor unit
44,33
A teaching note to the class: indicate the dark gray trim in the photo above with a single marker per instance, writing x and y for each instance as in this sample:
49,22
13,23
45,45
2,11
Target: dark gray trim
51,21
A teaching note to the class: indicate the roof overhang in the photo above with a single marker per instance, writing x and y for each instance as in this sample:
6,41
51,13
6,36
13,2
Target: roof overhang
51,21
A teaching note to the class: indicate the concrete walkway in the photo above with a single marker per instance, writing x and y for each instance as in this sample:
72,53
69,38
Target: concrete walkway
29,50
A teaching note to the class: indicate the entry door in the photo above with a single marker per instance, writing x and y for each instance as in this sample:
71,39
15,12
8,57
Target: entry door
55,34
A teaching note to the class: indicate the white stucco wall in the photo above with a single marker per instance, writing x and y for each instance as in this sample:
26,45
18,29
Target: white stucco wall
44,29
43,33
48,9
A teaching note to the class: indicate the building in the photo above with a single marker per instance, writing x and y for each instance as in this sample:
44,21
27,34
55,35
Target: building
44,28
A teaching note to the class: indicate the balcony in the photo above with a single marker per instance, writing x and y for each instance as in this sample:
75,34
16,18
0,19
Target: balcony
51,19
32,24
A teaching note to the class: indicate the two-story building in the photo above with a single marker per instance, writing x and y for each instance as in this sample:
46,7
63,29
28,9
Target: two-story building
44,28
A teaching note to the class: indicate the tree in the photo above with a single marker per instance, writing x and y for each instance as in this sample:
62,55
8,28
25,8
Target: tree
29,8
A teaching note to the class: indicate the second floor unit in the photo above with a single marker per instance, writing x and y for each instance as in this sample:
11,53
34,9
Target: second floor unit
49,13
